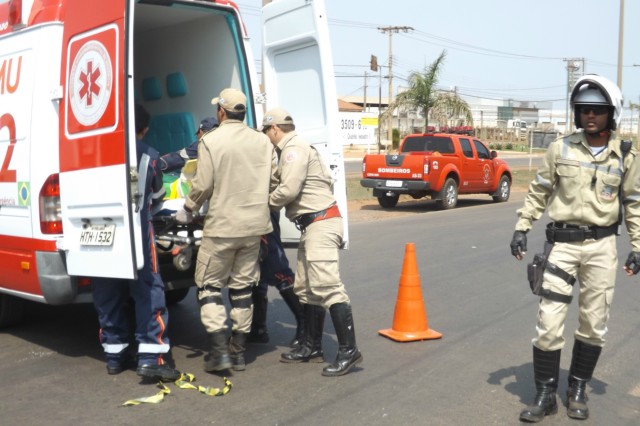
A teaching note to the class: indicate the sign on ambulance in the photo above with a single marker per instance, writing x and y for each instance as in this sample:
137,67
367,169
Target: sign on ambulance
14,68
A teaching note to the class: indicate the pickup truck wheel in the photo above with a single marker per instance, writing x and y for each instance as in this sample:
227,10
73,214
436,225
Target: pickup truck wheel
504,190
11,310
448,196
388,202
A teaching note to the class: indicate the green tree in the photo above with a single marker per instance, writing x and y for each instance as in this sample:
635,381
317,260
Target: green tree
423,96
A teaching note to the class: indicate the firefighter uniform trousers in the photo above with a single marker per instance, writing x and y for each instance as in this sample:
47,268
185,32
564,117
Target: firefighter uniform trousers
232,263
594,264
317,280
111,295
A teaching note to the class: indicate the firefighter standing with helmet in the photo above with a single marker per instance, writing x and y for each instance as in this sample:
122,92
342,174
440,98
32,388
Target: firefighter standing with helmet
587,180
305,193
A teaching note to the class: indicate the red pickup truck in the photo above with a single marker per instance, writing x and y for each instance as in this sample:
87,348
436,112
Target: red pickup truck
437,164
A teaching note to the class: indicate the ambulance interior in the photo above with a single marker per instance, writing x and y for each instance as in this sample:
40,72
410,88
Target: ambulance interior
184,55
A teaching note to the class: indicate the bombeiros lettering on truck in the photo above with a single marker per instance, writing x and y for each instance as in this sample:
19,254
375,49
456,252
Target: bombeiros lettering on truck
393,170
71,72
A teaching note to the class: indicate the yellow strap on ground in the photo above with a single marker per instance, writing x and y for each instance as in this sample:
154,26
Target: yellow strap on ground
184,382
155,399
209,391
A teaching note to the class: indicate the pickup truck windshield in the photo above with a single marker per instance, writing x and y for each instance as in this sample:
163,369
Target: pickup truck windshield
444,145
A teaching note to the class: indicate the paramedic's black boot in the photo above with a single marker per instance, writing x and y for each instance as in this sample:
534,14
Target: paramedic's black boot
156,368
546,369
584,360
218,357
237,346
348,355
117,363
258,333
311,348
294,304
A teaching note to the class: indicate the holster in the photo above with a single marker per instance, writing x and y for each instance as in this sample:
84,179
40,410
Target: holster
535,275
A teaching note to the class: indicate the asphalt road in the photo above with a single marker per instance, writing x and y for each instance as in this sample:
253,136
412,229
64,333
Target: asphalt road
479,373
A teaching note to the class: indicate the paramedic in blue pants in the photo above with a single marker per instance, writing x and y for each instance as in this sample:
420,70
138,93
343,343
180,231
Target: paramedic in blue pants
111,296
274,271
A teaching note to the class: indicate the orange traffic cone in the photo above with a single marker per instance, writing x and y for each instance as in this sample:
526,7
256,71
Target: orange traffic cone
410,318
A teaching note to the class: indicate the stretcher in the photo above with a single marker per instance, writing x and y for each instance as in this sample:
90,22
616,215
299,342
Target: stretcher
177,244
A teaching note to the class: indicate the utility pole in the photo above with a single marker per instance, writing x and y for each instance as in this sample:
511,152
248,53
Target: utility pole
620,42
364,103
573,66
390,31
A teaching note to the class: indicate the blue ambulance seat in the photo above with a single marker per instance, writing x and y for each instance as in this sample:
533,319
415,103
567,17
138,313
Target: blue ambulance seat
174,131
171,132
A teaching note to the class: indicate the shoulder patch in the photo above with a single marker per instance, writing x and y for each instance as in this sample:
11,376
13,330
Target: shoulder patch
291,156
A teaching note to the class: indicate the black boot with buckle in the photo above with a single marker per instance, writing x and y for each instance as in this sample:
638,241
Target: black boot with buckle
311,348
546,369
237,346
584,360
348,355
218,357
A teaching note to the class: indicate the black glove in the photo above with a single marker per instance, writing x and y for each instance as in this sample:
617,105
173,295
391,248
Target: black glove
633,262
519,244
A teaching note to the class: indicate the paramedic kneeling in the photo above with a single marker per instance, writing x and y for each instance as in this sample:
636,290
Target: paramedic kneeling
111,296
305,193
586,181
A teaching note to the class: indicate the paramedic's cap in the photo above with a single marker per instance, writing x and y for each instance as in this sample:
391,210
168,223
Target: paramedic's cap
276,116
207,124
231,100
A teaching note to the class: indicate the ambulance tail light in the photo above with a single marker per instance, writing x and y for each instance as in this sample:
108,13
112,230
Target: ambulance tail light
50,211
425,167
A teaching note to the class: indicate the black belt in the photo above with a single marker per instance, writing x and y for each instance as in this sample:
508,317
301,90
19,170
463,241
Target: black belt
558,232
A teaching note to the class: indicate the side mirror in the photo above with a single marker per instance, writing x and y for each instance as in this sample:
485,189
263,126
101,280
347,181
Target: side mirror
494,154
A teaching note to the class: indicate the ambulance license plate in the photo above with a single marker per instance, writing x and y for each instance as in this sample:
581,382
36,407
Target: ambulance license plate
97,235
394,183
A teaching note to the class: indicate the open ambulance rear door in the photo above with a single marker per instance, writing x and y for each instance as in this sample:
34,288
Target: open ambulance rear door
298,76
98,172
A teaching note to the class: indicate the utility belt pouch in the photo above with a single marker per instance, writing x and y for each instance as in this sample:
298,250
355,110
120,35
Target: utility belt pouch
535,273
535,269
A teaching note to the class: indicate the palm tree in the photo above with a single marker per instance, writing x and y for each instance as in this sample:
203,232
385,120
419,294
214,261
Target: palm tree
422,95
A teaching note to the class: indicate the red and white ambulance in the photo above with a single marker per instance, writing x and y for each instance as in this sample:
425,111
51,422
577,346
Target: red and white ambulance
70,74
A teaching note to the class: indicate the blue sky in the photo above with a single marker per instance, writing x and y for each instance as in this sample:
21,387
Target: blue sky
496,49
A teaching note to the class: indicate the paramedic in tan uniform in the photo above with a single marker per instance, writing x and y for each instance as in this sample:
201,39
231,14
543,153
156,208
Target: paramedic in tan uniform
236,171
582,181
305,193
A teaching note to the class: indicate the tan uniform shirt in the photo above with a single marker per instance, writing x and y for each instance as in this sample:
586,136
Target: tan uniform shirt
236,171
305,182
580,189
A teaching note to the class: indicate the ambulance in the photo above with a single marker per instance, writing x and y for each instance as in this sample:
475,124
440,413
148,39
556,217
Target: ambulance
71,72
